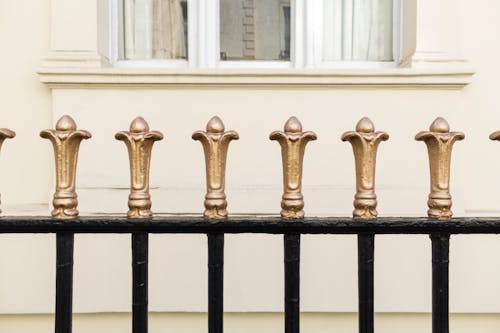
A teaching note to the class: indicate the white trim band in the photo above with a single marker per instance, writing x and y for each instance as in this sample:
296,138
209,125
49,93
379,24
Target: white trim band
442,76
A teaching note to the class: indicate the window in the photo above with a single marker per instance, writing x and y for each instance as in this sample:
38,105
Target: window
153,29
258,33
255,30
358,30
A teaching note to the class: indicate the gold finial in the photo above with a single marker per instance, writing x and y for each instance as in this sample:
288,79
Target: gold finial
495,136
66,123
215,144
215,125
139,125
439,142
365,125
365,142
66,141
293,143
6,133
139,141
439,125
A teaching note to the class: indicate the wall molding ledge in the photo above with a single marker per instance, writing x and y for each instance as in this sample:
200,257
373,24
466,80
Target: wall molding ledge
454,75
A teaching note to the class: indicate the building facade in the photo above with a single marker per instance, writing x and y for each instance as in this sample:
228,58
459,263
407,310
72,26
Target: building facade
64,57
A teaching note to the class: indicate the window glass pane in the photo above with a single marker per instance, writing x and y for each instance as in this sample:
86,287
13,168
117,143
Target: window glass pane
153,29
255,29
358,30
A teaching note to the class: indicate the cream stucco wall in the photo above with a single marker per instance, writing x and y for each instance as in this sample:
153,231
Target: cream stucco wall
252,322
25,103
178,263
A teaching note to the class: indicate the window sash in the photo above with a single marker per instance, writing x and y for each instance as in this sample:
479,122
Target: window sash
204,40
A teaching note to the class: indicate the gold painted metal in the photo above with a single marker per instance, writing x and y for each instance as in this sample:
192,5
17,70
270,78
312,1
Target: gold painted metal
6,133
215,143
139,141
439,142
495,136
293,142
66,140
365,142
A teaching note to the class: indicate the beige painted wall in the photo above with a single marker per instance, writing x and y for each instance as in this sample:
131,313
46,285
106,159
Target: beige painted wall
252,322
178,264
25,103
25,106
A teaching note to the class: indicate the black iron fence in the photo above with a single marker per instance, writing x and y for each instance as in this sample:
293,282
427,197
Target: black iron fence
139,139
366,230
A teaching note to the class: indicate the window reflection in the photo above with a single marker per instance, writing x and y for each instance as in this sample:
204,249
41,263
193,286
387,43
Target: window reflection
255,29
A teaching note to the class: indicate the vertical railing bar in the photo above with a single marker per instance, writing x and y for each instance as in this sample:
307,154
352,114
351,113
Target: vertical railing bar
140,282
292,282
64,282
215,283
366,244
440,282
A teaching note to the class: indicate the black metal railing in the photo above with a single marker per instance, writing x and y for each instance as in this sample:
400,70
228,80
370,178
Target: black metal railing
366,230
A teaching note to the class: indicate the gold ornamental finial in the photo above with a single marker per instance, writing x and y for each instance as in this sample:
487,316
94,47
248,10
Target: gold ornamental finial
139,141
215,144
6,133
293,143
439,142
66,141
365,142
495,136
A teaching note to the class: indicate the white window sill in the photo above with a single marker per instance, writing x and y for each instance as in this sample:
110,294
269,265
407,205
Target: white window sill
450,75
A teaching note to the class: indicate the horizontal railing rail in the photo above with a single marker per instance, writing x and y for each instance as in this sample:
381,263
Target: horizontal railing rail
255,225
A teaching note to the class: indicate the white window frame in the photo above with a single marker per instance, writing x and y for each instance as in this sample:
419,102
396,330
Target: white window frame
204,40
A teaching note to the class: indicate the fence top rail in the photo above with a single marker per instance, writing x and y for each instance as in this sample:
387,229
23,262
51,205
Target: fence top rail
238,225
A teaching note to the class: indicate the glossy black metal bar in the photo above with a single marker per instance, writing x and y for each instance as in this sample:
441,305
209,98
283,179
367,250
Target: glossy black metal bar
269,225
440,282
140,282
292,282
64,282
215,283
365,282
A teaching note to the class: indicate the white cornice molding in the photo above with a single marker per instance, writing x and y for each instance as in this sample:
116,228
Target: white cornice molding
452,75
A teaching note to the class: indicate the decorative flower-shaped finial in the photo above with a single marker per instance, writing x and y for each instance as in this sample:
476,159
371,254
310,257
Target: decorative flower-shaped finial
293,143
215,143
66,141
439,142
365,142
6,133
139,140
